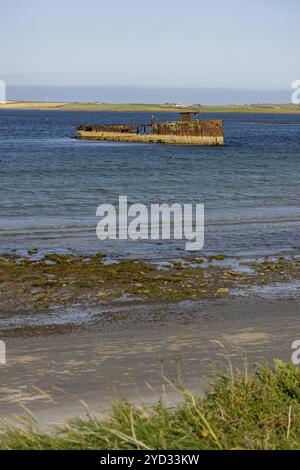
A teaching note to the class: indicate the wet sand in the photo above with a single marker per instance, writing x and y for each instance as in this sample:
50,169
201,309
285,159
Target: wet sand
120,354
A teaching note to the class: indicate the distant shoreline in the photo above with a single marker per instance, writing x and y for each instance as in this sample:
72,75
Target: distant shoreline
65,106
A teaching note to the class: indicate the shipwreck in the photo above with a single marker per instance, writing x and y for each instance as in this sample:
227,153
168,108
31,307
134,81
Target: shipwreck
189,130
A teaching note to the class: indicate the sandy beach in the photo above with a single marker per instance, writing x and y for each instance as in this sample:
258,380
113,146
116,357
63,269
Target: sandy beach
60,375
82,331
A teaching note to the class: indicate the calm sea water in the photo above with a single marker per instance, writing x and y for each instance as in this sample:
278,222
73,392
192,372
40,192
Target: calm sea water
51,184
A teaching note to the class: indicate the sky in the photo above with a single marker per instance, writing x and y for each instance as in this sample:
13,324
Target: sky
161,49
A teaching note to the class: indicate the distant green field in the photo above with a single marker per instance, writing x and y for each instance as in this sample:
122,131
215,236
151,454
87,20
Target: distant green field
255,108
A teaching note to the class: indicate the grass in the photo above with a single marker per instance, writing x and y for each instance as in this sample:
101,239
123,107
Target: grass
241,411
249,108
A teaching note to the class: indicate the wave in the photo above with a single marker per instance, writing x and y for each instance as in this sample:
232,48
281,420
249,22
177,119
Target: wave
62,231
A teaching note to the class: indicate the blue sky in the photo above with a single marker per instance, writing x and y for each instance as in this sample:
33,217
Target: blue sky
191,44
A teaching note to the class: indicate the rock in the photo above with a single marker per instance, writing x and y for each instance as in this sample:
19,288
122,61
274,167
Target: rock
32,251
222,292
178,264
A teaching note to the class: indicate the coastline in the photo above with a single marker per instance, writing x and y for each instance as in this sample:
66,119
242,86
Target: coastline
68,106
93,344
96,327
82,372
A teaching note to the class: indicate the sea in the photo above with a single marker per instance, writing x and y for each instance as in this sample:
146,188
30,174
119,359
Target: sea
51,184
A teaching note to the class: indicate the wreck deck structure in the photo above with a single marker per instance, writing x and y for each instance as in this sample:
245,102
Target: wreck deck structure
186,131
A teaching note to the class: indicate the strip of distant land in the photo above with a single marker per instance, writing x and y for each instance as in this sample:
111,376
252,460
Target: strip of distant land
167,107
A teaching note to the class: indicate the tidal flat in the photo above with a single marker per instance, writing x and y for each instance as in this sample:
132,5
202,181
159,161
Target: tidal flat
35,285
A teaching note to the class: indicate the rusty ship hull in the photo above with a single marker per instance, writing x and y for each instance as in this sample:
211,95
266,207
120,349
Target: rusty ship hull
186,131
